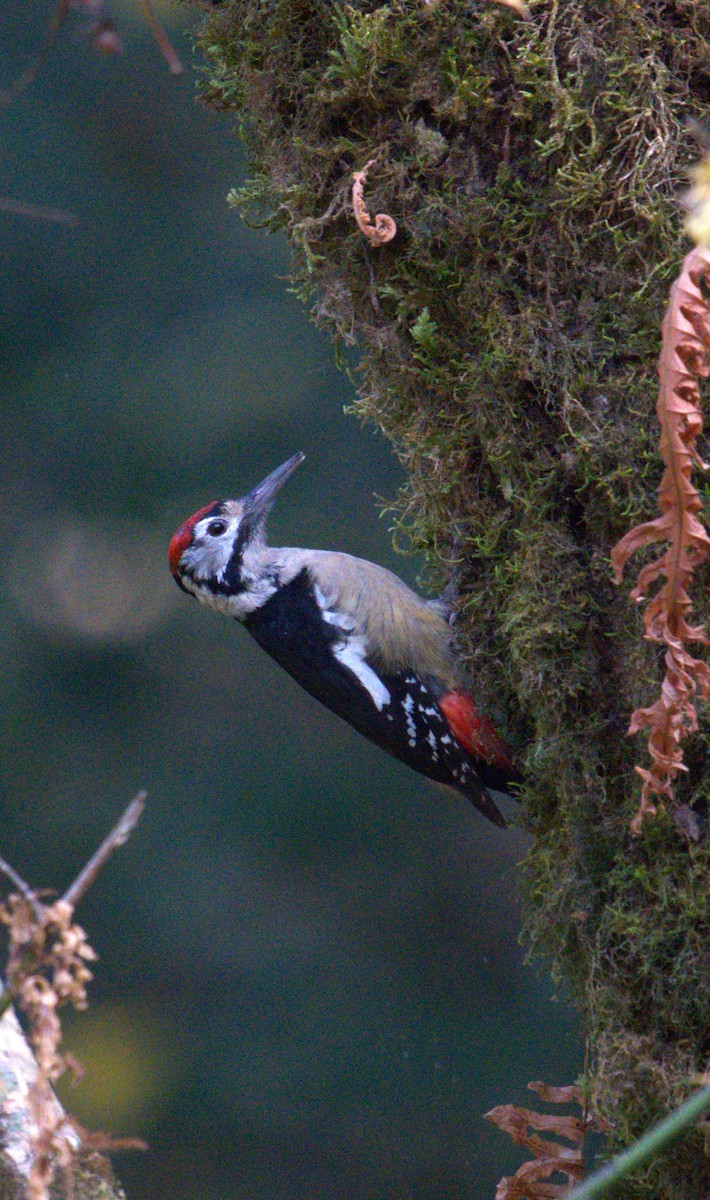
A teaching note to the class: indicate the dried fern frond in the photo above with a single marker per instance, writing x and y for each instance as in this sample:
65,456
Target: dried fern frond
383,228
685,356
532,1181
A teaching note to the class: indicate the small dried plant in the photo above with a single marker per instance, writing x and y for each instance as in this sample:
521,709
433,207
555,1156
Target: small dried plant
47,968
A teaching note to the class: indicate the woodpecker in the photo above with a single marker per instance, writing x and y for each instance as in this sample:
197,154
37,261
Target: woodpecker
352,634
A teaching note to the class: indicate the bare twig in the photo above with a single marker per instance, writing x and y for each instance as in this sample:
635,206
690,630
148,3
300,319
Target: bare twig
23,888
28,76
175,67
104,39
48,967
118,836
38,212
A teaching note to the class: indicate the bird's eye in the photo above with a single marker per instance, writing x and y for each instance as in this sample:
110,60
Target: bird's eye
216,528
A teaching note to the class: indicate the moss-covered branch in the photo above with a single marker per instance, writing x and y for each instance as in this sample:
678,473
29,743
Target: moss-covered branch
508,338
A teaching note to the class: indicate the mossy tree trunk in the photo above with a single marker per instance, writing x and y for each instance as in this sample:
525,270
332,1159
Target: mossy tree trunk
508,339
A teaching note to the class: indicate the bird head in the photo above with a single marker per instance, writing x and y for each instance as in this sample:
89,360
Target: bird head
214,553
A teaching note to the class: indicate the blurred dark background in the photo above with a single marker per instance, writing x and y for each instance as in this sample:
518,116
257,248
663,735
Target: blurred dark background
309,981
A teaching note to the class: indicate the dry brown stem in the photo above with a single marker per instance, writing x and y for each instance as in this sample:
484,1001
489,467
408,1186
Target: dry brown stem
532,1180
384,228
162,40
685,356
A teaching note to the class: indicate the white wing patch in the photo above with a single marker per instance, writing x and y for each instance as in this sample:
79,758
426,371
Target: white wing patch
350,653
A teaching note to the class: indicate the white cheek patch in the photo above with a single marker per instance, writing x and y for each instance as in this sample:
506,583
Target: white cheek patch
205,595
351,654
208,558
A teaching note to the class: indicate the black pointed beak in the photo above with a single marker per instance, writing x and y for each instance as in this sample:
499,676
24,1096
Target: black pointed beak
259,500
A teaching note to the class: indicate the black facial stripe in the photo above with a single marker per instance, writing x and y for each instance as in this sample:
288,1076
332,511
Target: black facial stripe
233,582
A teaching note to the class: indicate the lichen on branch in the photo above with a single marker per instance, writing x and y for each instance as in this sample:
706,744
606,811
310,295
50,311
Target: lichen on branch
685,357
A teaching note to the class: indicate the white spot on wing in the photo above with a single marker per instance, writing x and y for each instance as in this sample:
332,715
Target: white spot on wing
408,706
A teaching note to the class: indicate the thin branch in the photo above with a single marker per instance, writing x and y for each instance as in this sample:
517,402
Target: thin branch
28,76
23,888
38,212
161,38
118,836
656,1139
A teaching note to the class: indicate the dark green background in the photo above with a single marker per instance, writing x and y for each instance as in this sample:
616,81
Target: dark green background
309,982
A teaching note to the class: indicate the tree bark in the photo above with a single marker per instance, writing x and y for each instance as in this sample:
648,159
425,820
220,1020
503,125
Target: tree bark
91,1174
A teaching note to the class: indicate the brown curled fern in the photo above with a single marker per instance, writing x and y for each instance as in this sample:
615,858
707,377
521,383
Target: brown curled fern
534,1180
685,357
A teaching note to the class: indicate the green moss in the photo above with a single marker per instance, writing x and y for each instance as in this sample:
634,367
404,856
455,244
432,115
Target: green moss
508,339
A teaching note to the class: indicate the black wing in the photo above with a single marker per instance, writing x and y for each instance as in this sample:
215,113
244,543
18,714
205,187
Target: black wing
409,724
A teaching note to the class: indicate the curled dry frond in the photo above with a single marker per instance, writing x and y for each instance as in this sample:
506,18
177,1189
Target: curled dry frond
383,228
685,356
532,1180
